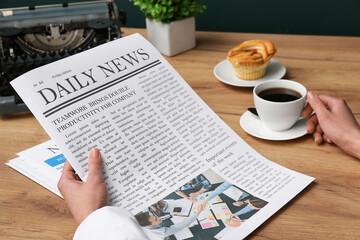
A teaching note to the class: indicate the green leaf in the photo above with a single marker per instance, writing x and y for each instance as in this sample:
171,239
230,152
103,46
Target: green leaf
169,10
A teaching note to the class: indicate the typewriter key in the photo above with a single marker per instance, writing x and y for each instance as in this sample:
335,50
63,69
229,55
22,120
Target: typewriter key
52,53
32,55
61,52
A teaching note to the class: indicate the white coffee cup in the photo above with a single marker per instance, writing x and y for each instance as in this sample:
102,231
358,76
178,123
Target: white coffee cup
279,116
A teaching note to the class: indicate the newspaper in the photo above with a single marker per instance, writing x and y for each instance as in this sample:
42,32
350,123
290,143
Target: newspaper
157,138
42,163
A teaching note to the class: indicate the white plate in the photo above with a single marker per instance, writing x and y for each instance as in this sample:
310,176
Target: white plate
252,125
225,72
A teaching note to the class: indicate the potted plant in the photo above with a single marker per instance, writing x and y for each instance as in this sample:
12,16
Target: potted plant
170,24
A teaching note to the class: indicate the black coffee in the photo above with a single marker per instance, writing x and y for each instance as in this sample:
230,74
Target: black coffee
279,95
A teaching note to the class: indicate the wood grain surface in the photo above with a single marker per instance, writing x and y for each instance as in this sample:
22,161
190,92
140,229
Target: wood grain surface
328,209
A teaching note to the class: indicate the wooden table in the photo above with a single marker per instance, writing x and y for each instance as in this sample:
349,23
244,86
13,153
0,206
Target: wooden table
328,209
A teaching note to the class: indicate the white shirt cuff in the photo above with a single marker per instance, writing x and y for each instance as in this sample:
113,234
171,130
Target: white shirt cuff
110,223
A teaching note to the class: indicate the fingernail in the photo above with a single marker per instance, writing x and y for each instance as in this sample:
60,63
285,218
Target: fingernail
302,114
94,153
309,129
317,140
311,95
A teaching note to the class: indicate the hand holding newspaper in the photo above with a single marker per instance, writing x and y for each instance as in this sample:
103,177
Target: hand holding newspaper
154,133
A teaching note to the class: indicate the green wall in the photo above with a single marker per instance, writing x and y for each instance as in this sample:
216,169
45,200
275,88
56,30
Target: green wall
315,17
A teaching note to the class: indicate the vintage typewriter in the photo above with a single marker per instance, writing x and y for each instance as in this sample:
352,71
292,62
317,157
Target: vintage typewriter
33,36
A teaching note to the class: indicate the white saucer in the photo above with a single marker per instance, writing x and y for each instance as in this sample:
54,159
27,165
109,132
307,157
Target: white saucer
225,72
252,125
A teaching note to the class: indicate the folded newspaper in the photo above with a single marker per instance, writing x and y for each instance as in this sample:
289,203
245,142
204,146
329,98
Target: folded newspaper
164,150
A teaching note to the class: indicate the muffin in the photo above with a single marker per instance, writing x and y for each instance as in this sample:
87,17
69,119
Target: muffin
251,58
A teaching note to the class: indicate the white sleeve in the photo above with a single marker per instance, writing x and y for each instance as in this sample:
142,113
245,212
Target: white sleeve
110,223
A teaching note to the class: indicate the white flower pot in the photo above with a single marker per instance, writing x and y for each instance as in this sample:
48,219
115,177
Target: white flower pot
172,38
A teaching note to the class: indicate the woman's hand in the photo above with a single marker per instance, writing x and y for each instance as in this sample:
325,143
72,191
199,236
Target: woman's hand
332,122
83,198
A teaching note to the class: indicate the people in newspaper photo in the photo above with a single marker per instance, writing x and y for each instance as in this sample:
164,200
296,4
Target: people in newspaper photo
205,207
